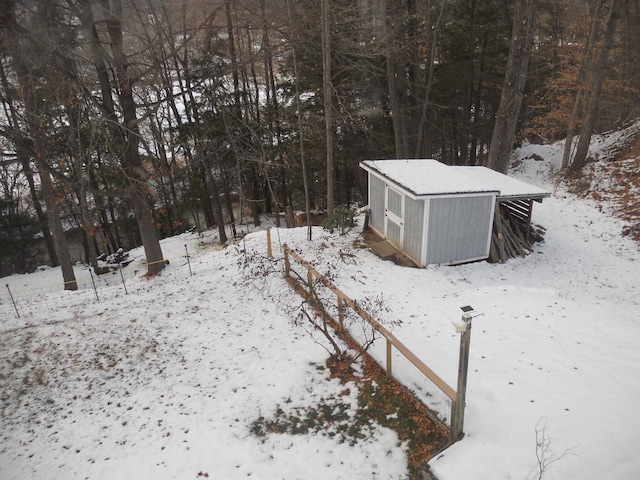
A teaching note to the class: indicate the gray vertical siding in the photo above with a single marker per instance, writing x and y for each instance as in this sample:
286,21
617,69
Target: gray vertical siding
376,203
414,229
458,229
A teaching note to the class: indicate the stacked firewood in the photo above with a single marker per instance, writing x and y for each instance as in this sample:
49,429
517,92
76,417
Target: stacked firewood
513,235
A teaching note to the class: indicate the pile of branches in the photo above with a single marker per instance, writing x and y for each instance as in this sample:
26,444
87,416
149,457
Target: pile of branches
512,236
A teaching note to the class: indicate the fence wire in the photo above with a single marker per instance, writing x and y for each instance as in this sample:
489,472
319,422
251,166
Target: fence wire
364,334
402,369
25,301
420,385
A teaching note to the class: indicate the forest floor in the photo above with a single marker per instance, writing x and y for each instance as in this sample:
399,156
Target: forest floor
614,180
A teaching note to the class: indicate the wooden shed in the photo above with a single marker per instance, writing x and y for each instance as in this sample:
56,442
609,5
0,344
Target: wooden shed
438,214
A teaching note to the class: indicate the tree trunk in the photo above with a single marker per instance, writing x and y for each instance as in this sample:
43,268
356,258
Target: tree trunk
280,193
228,202
596,80
108,239
305,180
81,186
22,155
414,70
513,85
578,104
125,133
395,80
33,115
251,188
131,159
240,114
467,122
88,227
42,216
327,90
431,37
167,181
216,204
55,224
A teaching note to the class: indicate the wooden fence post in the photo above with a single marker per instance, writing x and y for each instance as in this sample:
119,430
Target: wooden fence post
269,252
344,302
389,366
310,281
457,407
287,265
340,313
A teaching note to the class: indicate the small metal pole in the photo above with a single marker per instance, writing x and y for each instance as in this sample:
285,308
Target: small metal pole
123,282
13,301
188,262
93,283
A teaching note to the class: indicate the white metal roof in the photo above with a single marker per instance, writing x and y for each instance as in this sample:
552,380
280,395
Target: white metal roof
509,187
425,177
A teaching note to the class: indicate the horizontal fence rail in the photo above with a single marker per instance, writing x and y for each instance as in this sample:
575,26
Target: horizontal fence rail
396,358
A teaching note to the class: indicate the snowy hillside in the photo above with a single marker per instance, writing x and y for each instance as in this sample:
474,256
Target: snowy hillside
166,380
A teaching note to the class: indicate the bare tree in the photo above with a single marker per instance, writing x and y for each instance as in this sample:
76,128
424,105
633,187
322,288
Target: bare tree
29,60
16,134
107,56
396,79
305,179
596,79
581,93
513,85
430,42
545,456
328,95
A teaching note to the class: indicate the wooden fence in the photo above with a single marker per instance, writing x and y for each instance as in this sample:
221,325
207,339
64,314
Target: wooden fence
392,343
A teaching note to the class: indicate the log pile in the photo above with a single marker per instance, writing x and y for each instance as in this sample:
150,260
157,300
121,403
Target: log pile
513,234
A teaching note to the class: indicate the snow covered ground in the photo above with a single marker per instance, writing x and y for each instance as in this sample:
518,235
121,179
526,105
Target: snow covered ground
166,380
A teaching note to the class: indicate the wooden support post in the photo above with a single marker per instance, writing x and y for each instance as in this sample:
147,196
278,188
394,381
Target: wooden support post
310,281
287,265
340,313
389,366
457,407
497,221
269,251
528,230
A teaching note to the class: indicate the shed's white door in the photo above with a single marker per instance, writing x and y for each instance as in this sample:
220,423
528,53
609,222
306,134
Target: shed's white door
393,216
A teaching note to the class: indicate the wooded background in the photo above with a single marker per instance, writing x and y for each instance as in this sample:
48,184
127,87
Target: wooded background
127,121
